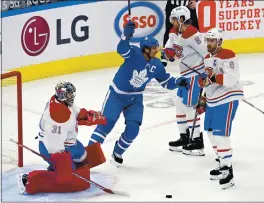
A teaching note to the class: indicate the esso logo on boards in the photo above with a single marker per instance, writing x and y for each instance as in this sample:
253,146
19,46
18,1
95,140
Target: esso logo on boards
35,36
148,18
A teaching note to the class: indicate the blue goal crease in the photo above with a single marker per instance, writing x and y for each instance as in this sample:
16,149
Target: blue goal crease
48,6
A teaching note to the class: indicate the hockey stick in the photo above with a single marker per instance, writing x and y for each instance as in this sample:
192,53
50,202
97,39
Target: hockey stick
195,117
85,179
200,95
191,69
129,9
252,106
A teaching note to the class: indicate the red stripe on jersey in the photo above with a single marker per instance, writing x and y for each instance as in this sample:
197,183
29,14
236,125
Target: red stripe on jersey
223,150
228,122
180,116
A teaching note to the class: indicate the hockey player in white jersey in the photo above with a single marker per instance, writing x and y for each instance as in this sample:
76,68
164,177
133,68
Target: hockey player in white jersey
58,143
187,46
223,91
58,131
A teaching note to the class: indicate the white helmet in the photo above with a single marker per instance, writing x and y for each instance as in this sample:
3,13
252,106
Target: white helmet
215,33
180,11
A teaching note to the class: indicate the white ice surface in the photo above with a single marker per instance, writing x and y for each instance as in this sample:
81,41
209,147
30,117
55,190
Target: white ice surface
150,170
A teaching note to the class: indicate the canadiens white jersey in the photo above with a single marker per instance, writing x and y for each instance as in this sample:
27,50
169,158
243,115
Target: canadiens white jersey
228,86
190,50
57,135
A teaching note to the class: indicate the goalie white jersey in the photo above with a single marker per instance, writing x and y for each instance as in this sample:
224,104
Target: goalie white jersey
190,50
58,126
228,87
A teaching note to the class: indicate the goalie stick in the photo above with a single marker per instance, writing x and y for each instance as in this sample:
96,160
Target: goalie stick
85,179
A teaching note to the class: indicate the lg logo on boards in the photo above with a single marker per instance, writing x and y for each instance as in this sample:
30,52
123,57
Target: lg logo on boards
36,33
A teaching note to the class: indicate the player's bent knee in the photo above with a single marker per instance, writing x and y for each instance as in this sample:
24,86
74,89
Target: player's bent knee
132,129
106,129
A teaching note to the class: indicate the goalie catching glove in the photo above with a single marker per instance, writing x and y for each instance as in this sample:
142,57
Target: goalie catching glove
91,118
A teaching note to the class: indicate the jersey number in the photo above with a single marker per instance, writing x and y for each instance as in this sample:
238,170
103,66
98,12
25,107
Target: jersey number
56,129
178,51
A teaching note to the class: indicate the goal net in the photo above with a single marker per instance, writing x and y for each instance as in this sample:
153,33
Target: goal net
11,119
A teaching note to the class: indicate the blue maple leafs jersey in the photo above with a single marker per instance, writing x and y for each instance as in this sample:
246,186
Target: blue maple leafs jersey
134,74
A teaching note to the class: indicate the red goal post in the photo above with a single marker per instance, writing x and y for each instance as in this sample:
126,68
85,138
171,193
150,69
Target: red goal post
12,121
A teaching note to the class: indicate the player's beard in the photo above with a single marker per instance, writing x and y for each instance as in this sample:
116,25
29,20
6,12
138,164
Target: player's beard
211,50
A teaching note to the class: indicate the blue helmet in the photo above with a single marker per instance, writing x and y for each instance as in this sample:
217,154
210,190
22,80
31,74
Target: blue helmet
148,42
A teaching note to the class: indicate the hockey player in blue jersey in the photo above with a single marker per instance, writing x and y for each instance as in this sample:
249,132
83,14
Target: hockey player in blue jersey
125,93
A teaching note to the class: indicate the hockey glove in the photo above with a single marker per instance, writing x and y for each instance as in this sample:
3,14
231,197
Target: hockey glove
168,54
91,118
129,29
207,78
182,82
204,82
200,107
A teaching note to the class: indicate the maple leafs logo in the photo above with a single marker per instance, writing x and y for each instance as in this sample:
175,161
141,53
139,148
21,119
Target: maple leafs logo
138,78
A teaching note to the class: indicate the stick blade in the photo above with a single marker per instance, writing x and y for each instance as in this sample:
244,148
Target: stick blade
121,193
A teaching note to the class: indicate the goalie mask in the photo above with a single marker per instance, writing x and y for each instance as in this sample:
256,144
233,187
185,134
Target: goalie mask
65,92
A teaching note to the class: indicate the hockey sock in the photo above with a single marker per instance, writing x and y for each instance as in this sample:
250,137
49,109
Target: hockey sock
126,139
182,123
213,142
101,132
224,150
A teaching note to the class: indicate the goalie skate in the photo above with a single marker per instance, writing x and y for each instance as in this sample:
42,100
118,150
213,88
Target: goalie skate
22,180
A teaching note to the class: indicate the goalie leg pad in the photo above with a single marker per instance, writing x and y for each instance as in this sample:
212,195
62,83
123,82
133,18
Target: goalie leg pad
95,155
41,181
63,166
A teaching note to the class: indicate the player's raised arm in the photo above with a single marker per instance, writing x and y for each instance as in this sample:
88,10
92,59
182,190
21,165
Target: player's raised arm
123,47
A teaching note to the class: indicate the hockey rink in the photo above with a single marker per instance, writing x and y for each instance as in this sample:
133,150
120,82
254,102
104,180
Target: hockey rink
150,171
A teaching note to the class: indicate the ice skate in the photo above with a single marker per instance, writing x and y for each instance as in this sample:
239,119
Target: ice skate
176,146
227,179
22,181
195,147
